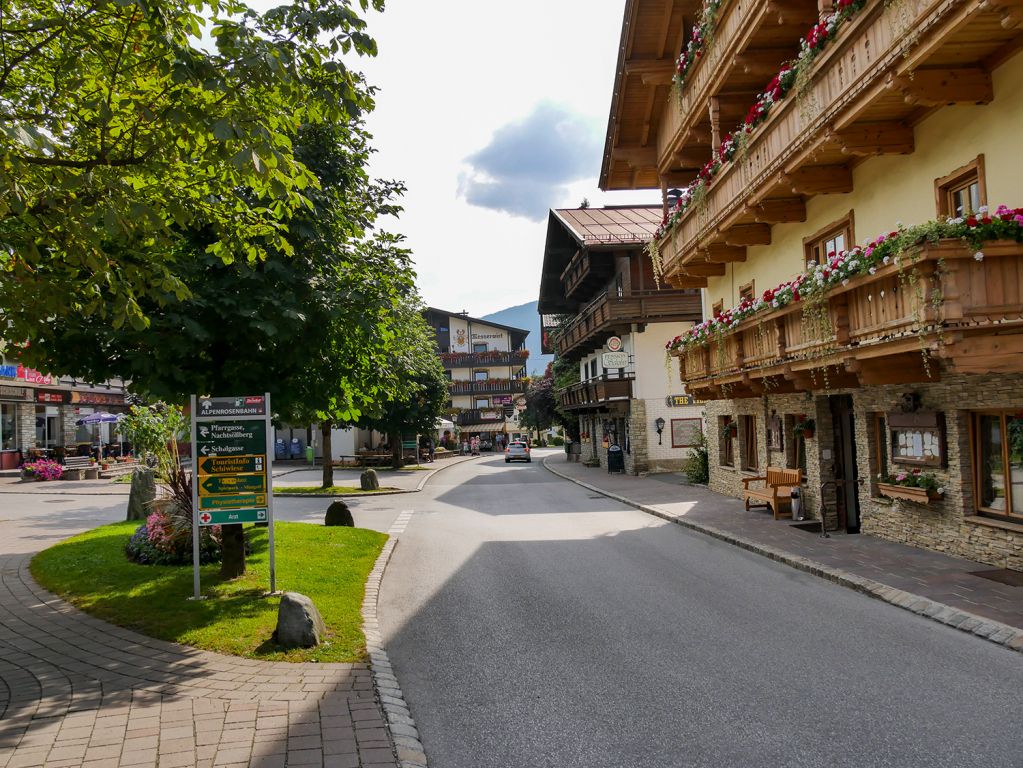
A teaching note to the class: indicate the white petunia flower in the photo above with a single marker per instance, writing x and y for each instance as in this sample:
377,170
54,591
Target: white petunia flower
979,256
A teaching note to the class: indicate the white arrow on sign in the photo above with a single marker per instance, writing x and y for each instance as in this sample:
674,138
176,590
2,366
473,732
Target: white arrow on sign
204,431
205,450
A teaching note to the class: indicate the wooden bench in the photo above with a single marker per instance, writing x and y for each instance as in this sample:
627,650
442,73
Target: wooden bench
75,467
777,490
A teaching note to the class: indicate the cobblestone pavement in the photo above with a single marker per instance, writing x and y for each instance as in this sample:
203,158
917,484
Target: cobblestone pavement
76,691
939,586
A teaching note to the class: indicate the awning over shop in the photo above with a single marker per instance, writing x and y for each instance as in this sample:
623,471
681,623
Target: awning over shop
493,427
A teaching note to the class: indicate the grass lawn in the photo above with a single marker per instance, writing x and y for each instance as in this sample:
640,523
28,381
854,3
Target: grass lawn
335,490
330,565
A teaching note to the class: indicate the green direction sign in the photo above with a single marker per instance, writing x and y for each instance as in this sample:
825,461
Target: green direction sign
220,484
232,465
229,516
232,501
230,438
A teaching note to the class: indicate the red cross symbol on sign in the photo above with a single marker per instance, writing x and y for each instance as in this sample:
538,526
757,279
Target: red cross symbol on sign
205,517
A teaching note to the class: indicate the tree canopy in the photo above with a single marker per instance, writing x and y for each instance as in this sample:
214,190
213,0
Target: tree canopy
125,126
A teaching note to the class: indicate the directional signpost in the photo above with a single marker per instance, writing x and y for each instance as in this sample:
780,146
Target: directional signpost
233,481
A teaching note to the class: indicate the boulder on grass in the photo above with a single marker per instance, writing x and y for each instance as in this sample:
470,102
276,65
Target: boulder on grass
369,480
143,492
299,624
338,513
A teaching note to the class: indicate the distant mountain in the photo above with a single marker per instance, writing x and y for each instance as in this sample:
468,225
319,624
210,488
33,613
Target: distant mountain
525,316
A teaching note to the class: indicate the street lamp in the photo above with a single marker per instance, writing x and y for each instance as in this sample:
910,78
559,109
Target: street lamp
659,426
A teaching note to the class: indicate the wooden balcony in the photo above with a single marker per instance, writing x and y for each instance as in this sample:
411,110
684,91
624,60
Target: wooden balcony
944,313
493,415
752,39
610,313
488,387
586,272
483,359
884,70
595,393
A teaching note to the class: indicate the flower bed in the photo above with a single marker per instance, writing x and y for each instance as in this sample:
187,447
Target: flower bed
42,469
914,486
166,539
1006,224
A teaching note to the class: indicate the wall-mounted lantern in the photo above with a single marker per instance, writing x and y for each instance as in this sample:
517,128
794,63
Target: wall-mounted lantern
659,426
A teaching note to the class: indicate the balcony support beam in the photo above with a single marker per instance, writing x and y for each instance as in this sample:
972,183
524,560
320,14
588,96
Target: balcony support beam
869,139
720,253
818,180
704,269
936,87
747,234
636,156
677,280
779,211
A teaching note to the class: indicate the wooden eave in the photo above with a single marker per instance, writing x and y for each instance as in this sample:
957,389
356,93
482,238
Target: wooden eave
651,39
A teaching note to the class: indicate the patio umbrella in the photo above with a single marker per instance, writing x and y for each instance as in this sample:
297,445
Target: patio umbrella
102,417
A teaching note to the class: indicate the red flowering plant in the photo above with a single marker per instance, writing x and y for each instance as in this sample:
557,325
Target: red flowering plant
841,267
777,89
699,36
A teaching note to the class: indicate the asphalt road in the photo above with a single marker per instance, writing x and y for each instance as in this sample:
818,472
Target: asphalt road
533,624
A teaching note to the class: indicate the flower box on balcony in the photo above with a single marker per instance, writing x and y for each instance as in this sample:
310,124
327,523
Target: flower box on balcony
908,493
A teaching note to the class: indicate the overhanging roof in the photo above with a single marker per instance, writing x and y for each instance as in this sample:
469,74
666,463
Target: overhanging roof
612,228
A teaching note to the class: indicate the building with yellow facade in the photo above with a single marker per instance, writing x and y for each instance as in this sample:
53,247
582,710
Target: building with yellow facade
842,180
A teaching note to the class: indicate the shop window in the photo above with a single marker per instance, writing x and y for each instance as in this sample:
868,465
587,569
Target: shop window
775,434
998,463
8,430
833,239
726,441
963,191
685,433
48,432
747,291
748,435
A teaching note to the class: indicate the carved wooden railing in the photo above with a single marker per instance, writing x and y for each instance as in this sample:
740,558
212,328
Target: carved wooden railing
941,298
868,47
632,306
596,391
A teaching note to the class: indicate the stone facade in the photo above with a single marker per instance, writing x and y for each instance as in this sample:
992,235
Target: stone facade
949,525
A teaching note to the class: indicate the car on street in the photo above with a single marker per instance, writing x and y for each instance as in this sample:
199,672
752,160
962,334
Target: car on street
517,451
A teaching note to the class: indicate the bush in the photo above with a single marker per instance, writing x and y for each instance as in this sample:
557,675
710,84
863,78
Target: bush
558,441
164,539
43,469
697,466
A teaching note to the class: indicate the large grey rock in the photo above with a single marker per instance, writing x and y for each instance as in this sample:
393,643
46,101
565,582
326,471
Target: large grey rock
143,492
299,624
369,480
338,513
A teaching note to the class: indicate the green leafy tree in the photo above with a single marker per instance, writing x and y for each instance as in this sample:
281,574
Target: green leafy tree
416,409
123,129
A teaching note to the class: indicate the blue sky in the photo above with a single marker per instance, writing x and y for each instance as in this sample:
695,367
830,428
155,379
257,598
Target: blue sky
492,114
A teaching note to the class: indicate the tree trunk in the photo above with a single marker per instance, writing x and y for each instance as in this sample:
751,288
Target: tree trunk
233,548
328,451
396,450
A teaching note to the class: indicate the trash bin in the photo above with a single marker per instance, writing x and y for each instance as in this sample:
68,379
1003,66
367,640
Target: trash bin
309,454
615,459
280,448
296,448
797,504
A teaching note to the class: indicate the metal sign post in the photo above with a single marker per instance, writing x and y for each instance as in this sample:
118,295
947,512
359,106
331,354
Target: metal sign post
232,476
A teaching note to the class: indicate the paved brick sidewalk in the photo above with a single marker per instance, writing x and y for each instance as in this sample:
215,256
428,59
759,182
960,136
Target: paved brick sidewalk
939,586
76,691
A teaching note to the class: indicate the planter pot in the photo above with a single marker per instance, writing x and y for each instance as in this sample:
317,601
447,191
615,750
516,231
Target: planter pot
916,495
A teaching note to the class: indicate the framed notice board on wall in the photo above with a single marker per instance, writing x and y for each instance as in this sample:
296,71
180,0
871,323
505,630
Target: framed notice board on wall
685,433
917,439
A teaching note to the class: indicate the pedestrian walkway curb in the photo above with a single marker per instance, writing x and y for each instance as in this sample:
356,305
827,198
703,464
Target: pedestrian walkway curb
993,631
407,747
